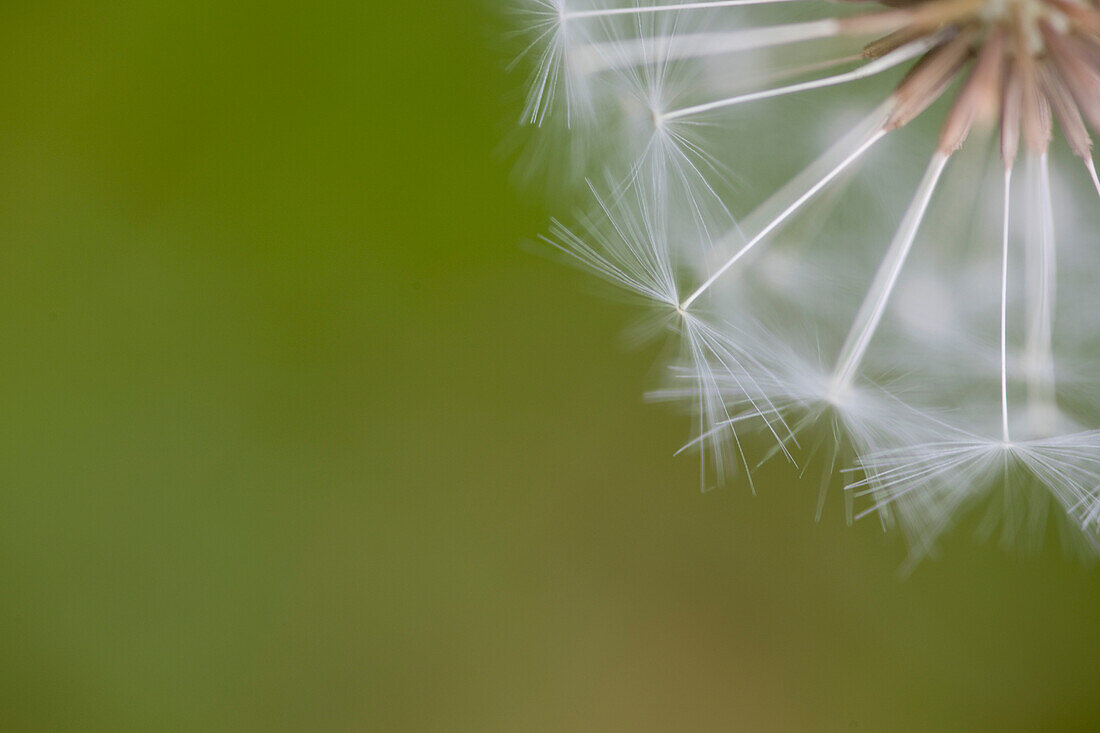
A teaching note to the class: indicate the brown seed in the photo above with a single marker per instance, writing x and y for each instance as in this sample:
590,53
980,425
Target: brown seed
978,96
1069,117
892,42
1075,71
1010,116
1034,109
929,78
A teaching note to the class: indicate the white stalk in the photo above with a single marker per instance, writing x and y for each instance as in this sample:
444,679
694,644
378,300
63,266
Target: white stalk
878,296
879,65
785,214
1039,356
609,55
1004,306
672,7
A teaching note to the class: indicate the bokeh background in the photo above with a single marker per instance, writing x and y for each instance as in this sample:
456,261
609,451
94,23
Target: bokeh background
298,436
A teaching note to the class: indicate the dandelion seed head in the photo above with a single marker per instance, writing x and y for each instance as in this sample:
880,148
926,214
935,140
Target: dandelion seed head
924,321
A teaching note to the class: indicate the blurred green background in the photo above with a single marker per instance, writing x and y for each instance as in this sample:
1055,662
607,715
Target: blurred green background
298,437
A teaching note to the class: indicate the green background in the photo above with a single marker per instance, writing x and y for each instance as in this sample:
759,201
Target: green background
298,437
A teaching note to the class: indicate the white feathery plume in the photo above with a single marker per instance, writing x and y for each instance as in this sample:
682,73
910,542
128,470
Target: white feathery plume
930,486
668,162
552,39
628,245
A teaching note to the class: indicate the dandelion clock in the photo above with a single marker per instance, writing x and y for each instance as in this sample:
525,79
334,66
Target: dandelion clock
871,231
